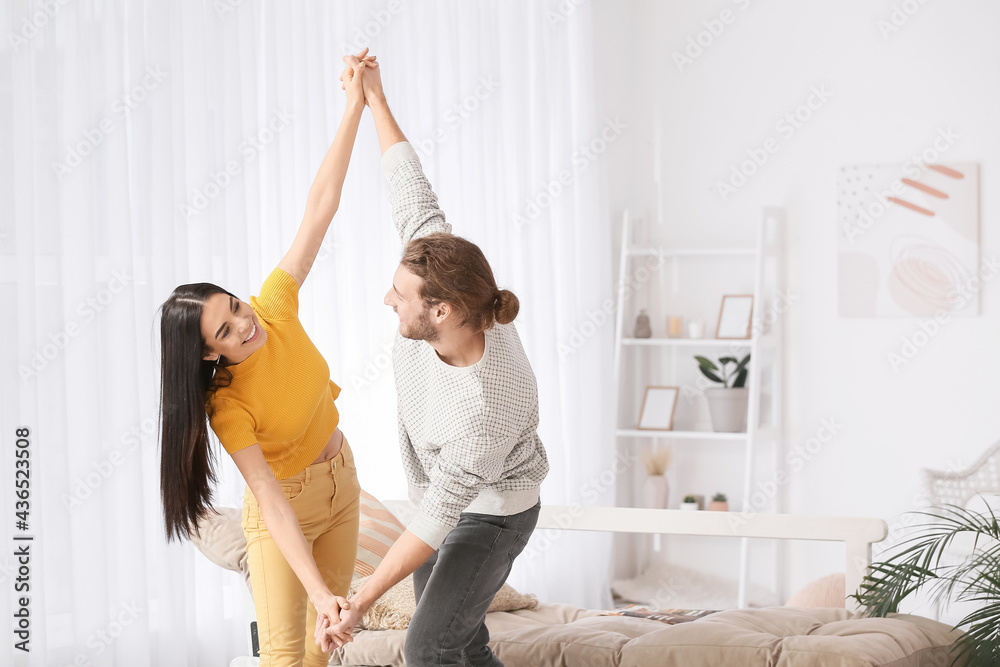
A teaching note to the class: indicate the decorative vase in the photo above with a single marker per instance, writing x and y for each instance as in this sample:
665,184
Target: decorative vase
719,506
656,491
689,506
728,409
642,328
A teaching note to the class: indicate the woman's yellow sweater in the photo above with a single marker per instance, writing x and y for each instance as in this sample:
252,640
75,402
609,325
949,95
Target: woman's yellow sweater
281,396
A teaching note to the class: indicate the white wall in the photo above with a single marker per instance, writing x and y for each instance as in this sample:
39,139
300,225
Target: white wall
888,96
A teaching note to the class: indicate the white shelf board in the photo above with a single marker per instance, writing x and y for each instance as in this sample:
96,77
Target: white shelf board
689,435
694,342
692,252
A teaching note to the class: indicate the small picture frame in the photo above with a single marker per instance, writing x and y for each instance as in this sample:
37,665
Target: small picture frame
657,412
735,316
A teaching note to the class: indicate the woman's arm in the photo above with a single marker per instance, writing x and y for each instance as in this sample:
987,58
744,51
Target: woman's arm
324,195
283,525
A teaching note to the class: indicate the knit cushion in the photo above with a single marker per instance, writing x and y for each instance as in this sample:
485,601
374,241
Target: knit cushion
395,608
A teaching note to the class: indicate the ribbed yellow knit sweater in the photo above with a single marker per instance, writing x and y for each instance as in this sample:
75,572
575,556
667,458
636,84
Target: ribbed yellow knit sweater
281,396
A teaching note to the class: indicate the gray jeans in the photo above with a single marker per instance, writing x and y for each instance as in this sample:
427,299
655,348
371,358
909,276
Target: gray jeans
455,586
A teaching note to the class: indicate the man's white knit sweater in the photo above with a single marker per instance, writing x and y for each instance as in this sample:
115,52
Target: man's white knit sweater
467,434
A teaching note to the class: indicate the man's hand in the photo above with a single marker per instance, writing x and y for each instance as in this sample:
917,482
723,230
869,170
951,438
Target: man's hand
371,78
330,608
372,83
351,79
339,633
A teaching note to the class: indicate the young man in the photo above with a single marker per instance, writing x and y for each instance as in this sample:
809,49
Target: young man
468,413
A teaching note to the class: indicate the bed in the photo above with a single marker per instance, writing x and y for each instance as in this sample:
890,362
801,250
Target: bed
562,635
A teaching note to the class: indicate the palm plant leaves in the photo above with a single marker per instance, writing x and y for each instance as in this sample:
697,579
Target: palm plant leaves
918,563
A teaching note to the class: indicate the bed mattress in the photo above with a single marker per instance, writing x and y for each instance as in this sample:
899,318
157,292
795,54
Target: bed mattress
562,635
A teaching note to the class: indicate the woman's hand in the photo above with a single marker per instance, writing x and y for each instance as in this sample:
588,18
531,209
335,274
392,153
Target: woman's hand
363,70
349,618
328,611
351,80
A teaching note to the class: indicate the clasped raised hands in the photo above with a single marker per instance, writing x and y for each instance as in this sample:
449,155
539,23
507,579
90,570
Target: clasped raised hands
362,79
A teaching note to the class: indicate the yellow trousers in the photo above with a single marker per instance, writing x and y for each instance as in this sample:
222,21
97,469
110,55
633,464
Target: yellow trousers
325,497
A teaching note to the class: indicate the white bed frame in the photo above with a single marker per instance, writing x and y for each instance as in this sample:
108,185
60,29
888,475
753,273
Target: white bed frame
857,534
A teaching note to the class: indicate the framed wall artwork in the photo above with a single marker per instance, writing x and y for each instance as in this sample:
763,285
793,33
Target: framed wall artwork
908,240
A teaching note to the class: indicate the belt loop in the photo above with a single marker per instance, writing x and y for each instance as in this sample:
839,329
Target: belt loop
308,474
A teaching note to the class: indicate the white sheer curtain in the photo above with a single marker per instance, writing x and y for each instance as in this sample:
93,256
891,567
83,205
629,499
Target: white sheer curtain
152,144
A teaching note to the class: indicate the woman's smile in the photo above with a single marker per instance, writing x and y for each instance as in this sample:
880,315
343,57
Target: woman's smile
254,330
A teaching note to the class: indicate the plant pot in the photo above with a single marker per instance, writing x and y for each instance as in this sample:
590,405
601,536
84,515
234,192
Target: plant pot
728,409
719,506
689,506
656,491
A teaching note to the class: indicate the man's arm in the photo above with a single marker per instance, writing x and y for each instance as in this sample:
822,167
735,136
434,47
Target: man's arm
415,211
405,555
414,205
455,483
385,125
408,552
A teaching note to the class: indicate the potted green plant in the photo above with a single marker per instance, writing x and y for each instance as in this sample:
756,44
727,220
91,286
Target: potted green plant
727,404
690,503
719,503
924,562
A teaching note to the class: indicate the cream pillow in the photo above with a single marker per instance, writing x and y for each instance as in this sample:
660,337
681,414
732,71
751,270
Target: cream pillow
826,591
222,540
394,610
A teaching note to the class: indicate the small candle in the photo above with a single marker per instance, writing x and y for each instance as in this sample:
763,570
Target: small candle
674,326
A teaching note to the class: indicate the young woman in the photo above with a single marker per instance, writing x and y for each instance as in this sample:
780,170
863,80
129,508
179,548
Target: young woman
251,372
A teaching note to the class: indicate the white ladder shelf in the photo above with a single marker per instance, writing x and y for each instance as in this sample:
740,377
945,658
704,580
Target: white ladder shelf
765,347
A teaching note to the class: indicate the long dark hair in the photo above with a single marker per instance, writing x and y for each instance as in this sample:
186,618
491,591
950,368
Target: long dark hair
455,270
187,472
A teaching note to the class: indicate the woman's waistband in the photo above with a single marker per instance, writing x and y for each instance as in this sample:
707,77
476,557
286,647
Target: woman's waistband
333,463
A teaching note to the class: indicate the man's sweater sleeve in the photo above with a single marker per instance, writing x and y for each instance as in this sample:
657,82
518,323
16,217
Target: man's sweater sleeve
414,205
463,467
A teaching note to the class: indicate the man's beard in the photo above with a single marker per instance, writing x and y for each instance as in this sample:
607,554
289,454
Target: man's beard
422,329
